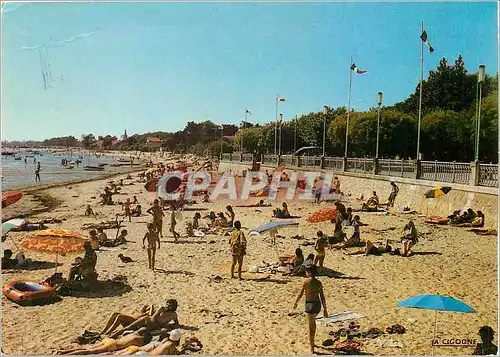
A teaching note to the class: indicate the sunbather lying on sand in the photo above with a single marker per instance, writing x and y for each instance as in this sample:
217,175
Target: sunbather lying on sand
259,204
119,319
476,222
161,318
138,338
165,345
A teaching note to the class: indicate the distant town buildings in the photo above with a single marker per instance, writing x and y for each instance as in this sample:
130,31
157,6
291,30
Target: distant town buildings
153,142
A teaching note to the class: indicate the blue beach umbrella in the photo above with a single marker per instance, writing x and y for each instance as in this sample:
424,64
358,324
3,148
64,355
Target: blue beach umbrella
436,303
273,225
272,228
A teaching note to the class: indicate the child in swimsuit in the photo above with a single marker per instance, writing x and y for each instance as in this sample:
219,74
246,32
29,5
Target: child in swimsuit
173,223
320,246
152,238
127,208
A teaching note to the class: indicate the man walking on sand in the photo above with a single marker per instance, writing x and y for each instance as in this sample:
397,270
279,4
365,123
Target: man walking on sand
238,244
157,212
152,238
313,289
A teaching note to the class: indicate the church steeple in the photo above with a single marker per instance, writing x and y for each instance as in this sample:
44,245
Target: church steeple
124,136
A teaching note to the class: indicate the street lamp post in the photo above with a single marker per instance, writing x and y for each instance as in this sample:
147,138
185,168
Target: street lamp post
221,139
279,144
480,81
379,102
325,111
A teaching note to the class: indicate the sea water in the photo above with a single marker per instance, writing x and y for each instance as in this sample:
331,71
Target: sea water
18,174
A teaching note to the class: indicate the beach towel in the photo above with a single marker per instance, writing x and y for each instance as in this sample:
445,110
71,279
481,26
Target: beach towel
340,316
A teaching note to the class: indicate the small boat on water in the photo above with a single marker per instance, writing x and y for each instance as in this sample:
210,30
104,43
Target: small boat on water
102,165
93,168
17,158
70,167
8,153
123,160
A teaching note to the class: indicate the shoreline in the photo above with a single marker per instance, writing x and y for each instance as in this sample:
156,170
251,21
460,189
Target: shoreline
31,189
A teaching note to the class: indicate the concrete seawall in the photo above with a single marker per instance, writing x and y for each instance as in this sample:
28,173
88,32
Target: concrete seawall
411,193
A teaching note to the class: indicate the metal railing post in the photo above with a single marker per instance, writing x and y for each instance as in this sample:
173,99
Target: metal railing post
375,170
453,171
475,173
435,170
344,164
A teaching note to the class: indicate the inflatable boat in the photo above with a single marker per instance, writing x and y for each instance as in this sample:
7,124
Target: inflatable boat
24,292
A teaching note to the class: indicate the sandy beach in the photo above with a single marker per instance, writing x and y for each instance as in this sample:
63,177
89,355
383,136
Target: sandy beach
255,317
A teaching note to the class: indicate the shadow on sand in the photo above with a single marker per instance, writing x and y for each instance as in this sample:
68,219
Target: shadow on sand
425,253
103,288
33,265
180,272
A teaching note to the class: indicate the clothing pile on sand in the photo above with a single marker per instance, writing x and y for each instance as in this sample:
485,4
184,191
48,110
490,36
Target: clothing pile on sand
349,339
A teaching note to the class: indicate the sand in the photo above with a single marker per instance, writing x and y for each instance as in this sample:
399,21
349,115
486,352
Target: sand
251,316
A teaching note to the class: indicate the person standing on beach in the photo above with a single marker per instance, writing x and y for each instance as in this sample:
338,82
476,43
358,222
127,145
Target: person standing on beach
238,245
320,247
394,193
157,212
128,209
173,223
37,173
152,237
313,289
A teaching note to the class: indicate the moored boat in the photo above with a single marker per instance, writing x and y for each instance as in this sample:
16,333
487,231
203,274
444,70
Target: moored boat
93,168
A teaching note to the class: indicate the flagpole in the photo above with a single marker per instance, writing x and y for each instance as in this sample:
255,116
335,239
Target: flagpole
276,127
295,136
348,108
242,131
421,82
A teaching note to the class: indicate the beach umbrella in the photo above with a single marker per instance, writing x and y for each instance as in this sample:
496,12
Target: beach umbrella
437,192
436,303
272,228
273,225
323,215
55,241
11,224
9,198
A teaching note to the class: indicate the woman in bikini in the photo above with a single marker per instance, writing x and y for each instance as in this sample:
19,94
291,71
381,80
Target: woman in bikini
138,338
313,289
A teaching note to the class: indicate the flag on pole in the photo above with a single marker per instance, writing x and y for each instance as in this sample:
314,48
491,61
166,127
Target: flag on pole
356,69
281,100
248,112
423,37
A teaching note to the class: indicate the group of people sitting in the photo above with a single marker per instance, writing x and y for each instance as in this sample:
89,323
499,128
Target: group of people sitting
409,239
100,239
135,334
8,262
281,212
468,218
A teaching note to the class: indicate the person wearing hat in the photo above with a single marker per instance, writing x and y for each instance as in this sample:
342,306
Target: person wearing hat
486,347
169,345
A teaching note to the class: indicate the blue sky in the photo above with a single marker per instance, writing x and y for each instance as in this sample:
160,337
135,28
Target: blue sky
156,66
